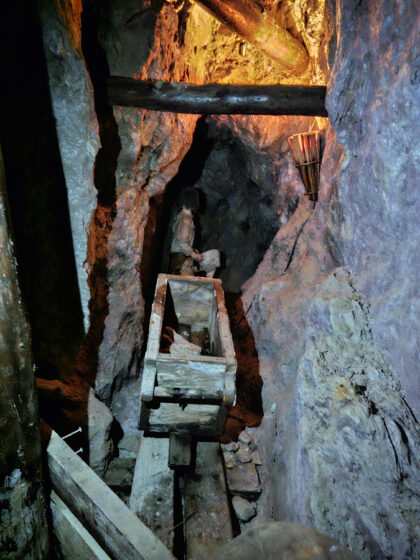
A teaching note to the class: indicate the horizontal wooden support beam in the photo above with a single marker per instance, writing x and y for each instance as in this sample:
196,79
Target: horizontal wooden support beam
218,99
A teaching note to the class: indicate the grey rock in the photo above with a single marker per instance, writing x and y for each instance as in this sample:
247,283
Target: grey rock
231,447
120,472
125,408
242,480
101,445
243,455
354,429
378,174
256,458
286,541
77,128
244,509
244,437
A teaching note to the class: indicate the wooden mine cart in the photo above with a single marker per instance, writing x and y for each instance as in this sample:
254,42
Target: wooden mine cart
184,396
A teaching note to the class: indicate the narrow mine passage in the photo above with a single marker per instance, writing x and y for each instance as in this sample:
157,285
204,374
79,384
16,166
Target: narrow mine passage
320,286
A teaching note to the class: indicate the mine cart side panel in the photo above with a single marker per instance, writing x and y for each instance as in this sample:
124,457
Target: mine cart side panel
228,350
201,373
192,298
153,342
194,419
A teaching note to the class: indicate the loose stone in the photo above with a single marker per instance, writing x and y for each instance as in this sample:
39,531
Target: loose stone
243,455
232,446
244,510
256,458
244,437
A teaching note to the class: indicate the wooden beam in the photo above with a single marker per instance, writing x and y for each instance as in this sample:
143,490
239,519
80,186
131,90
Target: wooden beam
73,541
152,493
261,29
103,514
218,99
207,517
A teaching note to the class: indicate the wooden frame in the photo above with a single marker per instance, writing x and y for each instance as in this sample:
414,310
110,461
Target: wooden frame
203,385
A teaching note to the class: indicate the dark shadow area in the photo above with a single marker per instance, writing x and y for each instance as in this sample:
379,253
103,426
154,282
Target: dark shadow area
37,194
104,180
248,410
40,219
178,528
157,237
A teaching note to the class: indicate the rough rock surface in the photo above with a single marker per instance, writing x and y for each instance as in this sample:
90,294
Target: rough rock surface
373,101
244,509
284,540
339,440
100,444
23,531
152,146
77,128
126,410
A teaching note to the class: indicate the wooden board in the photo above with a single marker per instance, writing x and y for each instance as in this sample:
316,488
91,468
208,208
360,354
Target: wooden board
195,419
205,372
73,541
179,451
192,299
103,514
207,516
152,492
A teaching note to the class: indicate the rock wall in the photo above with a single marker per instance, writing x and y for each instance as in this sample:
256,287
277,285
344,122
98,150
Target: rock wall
339,438
152,146
77,128
373,104
23,531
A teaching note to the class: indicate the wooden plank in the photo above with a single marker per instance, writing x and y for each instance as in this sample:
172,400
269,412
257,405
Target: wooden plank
152,492
73,540
189,374
193,396
192,300
224,325
214,330
179,451
153,341
228,350
218,99
207,517
105,516
196,419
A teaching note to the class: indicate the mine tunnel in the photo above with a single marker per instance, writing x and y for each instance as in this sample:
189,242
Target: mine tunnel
265,406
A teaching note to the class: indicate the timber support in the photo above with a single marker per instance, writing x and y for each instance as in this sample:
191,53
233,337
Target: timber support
218,99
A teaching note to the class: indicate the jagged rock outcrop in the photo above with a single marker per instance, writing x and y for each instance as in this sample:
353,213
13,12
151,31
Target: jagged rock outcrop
77,128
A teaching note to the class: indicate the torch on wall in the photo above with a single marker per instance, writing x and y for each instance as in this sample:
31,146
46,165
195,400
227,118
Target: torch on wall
306,151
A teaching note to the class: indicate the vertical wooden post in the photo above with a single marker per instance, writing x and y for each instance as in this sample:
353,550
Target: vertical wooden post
22,511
